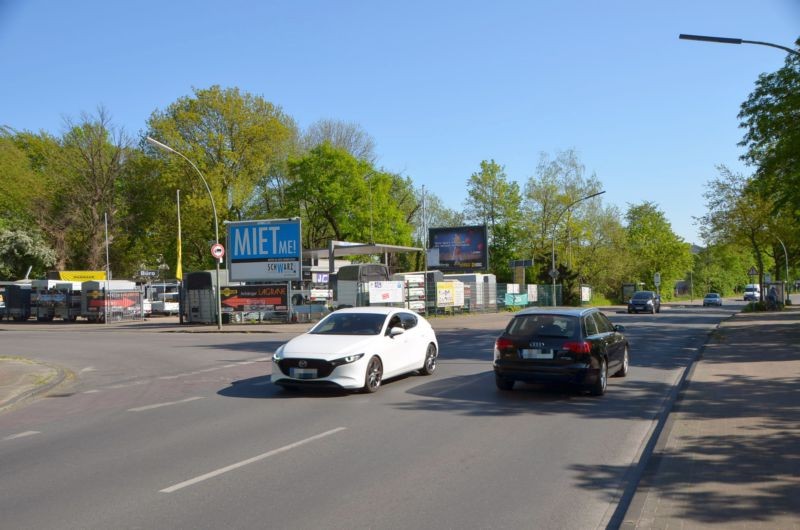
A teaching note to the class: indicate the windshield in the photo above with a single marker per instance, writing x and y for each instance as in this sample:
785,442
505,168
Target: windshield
644,295
350,324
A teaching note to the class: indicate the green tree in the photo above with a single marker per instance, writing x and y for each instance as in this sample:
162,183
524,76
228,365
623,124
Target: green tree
20,249
720,268
736,213
239,142
772,137
494,201
580,233
347,136
655,247
342,198
91,161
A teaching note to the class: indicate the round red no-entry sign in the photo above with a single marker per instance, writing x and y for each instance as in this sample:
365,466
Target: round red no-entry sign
217,250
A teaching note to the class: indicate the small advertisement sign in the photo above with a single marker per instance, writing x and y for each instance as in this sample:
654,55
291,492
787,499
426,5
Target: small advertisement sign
533,293
386,292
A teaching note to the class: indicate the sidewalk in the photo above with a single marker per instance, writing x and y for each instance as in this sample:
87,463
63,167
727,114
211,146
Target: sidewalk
729,454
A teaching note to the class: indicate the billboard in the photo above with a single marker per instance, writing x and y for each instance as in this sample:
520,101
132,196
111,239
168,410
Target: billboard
254,298
461,248
264,251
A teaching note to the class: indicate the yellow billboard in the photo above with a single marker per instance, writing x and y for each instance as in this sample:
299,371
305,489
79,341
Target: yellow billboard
80,276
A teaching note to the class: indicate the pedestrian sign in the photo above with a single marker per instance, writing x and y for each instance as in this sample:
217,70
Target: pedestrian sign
752,272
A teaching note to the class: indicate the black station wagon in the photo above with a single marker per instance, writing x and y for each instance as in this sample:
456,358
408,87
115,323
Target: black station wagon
560,345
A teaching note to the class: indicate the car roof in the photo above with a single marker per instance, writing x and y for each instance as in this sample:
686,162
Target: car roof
375,310
560,311
712,294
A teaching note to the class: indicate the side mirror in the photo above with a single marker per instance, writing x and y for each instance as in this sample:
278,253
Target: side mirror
396,331
619,327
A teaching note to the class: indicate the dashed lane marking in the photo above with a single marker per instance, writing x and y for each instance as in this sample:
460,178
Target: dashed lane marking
167,404
20,435
243,463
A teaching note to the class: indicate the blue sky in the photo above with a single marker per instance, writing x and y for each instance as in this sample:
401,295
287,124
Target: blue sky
440,85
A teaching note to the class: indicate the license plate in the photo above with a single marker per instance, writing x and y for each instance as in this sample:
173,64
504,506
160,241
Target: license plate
536,353
303,373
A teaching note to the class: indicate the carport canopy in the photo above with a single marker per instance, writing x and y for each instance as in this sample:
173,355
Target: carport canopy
337,249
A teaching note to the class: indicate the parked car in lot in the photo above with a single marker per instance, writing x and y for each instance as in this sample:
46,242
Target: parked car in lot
644,302
712,299
560,345
357,348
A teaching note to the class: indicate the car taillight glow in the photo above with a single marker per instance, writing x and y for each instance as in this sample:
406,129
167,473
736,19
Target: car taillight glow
503,344
578,346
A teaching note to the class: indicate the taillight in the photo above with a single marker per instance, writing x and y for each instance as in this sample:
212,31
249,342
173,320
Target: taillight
578,346
503,344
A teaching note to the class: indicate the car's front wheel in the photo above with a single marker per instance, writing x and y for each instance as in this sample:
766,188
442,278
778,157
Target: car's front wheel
430,361
503,383
599,387
372,379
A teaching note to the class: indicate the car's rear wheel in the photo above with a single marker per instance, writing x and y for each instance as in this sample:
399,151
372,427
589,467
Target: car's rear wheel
372,380
599,387
503,383
622,372
430,361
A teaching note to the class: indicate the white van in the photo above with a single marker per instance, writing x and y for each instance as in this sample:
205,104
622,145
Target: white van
752,292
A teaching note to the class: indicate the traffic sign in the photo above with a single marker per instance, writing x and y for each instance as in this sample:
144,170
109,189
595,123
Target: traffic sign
752,272
217,250
553,273
657,279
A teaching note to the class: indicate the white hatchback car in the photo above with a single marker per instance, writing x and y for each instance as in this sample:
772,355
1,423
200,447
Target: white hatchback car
356,348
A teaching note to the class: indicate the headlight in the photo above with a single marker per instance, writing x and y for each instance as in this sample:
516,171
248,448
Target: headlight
347,360
278,355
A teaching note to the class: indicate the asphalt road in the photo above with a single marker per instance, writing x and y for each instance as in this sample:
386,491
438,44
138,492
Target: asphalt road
184,430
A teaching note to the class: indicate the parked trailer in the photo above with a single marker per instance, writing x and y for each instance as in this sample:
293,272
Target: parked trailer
18,301
111,300
68,303
43,299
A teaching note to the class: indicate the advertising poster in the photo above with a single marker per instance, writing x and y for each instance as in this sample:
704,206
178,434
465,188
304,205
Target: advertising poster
462,248
445,294
386,292
255,298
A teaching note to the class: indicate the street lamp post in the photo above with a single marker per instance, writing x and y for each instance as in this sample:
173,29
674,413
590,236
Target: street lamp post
786,262
169,149
553,271
727,40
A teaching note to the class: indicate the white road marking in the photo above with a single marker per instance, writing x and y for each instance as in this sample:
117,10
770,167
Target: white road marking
21,435
91,392
89,369
168,403
243,463
174,376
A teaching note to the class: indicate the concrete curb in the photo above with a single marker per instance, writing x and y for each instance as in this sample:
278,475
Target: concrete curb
43,378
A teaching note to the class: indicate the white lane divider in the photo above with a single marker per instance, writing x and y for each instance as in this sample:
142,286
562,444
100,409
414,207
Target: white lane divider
21,435
167,404
243,463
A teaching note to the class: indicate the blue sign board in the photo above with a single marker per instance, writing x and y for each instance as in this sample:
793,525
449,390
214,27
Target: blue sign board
264,250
